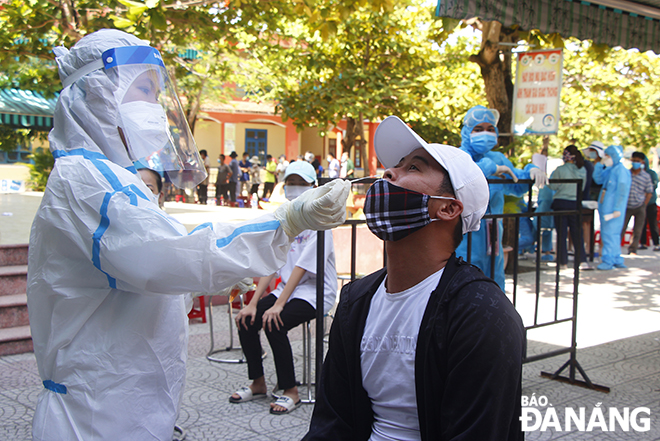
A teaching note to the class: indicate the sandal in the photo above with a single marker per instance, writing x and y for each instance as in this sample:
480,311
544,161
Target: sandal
246,395
286,402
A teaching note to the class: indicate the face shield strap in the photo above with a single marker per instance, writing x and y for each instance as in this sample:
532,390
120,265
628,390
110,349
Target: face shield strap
116,57
78,74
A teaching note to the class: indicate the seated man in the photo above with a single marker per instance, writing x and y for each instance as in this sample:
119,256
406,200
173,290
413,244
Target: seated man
291,303
429,347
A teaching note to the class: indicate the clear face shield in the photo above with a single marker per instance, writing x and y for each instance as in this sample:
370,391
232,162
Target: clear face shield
478,116
152,122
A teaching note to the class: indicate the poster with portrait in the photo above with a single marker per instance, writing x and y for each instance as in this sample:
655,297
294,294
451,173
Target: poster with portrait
537,92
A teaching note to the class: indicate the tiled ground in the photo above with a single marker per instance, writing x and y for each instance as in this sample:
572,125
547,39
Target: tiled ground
630,367
618,340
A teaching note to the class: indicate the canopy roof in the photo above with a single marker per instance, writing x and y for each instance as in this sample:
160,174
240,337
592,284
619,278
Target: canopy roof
24,109
629,24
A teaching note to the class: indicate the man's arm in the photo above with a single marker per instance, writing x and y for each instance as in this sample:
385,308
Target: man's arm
649,190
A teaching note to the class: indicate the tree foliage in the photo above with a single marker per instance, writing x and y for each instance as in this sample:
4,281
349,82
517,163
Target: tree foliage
373,63
322,61
42,164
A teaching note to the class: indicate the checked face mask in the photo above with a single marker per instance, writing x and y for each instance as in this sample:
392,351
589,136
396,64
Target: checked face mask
394,212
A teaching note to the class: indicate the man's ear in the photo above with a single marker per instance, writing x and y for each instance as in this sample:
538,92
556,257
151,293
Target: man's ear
447,210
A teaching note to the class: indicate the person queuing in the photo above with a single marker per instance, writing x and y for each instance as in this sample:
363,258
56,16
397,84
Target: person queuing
222,182
478,137
615,179
203,187
333,166
566,199
107,268
651,212
347,167
291,303
282,164
244,178
255,175
429,347
592,156
641,191
234,183
271,177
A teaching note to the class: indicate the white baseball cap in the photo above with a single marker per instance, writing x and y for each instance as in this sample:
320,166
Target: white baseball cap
598,146
394,139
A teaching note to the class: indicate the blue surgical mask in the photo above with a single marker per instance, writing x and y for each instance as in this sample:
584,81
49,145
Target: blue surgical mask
637,165
483,142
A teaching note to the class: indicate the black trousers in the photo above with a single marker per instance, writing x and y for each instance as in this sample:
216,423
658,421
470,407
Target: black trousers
295,312
652,222
568,222
232,191
254,189
268,189
221,190
202,192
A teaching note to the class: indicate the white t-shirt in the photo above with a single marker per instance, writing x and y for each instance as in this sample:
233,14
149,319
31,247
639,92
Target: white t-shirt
303,255
387,358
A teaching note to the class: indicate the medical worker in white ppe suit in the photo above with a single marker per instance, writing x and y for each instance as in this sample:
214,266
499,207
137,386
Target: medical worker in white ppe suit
107,267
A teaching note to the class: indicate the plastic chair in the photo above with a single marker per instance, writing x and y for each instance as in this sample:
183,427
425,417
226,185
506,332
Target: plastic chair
238,303
198,313
625,239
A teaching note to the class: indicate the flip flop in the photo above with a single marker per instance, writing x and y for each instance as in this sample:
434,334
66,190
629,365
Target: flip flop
287,403
246,395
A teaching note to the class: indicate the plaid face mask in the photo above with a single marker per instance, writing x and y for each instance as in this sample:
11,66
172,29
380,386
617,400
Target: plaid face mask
394,212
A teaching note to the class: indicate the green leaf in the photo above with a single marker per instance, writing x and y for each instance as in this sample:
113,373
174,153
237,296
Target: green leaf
122,23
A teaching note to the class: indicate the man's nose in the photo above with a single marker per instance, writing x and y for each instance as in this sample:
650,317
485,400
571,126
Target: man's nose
390,174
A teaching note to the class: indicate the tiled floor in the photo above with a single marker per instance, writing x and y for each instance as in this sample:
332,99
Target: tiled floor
630,367
618,341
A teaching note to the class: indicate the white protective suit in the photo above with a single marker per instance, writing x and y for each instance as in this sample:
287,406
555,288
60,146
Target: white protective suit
107,269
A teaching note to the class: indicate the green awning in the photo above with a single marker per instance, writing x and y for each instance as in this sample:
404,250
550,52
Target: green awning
629,24
24,109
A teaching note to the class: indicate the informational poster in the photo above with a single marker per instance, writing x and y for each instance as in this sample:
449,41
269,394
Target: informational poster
537,92
230,138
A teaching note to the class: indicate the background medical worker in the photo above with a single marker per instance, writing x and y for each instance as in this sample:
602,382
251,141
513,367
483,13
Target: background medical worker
107,267
615,179
478,137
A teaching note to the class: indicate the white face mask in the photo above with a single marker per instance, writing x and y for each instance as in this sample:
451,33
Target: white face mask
153,197
608,162
145,127
293,191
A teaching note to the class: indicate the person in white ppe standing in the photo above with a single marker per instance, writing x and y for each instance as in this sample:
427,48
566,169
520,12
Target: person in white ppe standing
107,268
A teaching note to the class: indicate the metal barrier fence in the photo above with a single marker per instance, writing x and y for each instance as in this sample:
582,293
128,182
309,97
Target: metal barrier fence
572,363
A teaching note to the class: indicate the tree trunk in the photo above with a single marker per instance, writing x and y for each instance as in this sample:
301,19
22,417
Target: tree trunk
495,64
354,137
